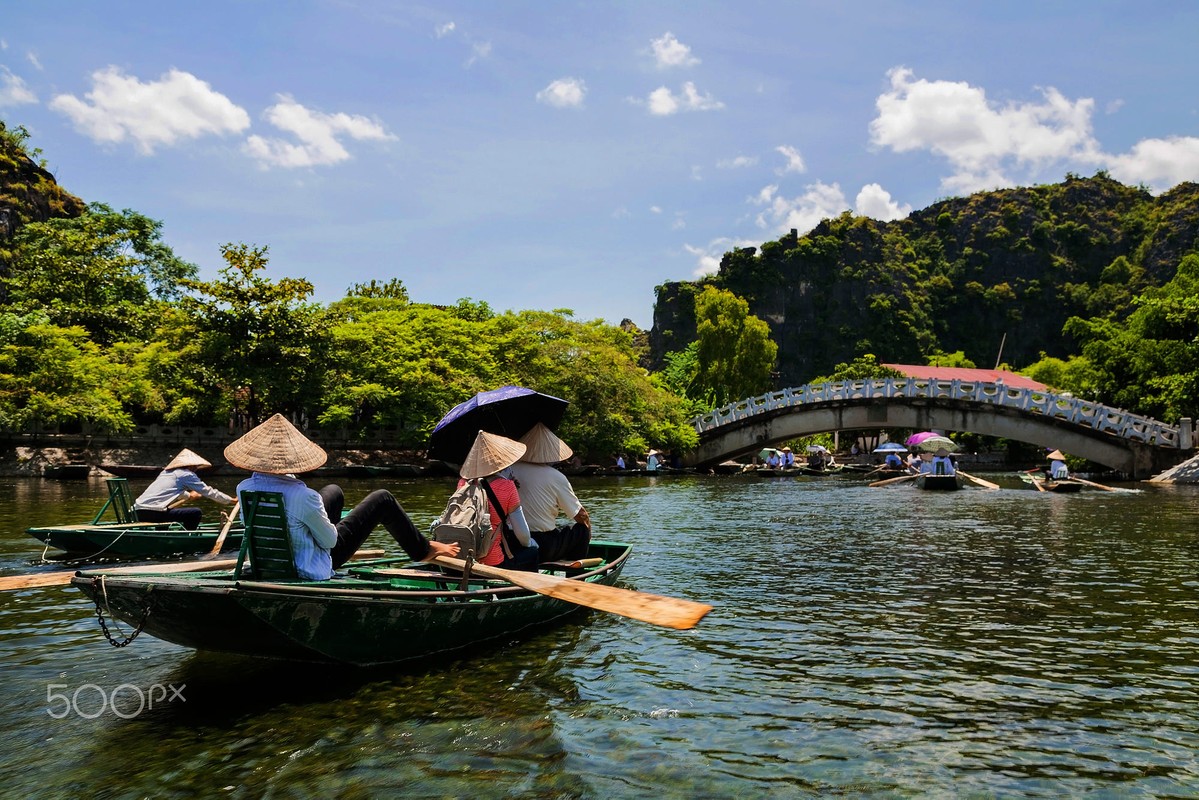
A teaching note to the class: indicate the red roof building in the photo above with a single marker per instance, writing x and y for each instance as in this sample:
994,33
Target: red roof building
962,374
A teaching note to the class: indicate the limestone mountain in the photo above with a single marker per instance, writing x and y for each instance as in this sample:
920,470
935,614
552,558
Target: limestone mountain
971,273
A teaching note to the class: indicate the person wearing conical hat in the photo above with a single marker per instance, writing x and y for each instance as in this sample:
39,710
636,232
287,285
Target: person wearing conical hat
1058,470
273,452
178,483
942,463
489,462
545,492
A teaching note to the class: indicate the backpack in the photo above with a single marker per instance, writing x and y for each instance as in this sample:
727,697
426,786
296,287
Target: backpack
466,521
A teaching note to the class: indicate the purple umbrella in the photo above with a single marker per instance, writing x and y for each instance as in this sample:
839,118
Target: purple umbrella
508,411
917,438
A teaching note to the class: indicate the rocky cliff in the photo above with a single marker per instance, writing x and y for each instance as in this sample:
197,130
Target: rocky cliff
965,274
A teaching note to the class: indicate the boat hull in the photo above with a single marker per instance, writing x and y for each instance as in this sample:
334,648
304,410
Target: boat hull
939,483
359,620
136,540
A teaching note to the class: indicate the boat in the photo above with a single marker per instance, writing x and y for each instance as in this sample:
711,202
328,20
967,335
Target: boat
938,483
377,612
1061,486
125,536
67,472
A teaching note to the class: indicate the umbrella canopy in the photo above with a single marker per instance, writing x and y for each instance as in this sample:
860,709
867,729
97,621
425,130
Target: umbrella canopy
817,448
508,411
934,443
917,438
891,447
767,452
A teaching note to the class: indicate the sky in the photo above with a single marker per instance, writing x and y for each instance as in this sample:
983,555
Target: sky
575,155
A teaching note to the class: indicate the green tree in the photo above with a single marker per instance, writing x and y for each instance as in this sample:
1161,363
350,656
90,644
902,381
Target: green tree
51,375
861,368
101,271
1150,362
736,355
246,340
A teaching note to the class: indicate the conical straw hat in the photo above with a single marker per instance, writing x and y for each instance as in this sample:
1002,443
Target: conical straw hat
186,458
489,454
543,447
1056,455
276,447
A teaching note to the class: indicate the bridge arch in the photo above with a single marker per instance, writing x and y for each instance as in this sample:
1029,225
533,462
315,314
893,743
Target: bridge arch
1136,445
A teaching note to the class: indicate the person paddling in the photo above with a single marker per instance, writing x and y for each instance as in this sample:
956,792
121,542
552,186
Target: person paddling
273,452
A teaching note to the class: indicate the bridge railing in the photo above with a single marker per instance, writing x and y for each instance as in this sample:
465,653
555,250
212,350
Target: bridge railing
1086,414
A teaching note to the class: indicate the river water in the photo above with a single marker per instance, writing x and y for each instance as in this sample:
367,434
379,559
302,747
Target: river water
866,642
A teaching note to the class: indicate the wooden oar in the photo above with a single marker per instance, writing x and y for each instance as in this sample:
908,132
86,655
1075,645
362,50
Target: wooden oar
220,539
979,481
889,481
63,577
1100,485
1036,483
670,612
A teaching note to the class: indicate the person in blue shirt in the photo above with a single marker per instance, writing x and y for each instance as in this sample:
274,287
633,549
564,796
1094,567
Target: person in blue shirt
273,452
176,484
893,461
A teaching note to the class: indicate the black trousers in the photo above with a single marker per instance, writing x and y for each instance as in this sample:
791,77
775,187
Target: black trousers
378,508
567,543
187,516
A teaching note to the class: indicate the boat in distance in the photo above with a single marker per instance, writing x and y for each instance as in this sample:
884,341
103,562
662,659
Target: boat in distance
372,613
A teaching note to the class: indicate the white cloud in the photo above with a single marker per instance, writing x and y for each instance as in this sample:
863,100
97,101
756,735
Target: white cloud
794,160
13,90
737,163
662,102
478,52
32,58
819,201
708,256
981,141
655,209
564,93
670,52
175,107
318,136
1159,163
444,30
874,201
1113,106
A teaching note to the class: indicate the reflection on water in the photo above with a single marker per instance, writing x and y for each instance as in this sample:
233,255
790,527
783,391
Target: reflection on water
865,642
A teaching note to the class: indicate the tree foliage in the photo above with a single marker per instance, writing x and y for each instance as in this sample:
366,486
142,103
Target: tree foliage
735,352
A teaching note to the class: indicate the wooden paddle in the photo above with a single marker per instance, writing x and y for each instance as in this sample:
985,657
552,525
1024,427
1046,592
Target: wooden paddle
1100,485
889,481
1036,483
220,539
979,481
669,612
63,577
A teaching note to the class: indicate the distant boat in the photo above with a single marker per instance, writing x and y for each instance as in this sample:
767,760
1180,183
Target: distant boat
67,472
939,483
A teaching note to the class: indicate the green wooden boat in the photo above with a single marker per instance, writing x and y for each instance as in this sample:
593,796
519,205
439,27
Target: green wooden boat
115,531
371,613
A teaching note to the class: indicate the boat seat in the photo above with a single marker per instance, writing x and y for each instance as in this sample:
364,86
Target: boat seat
120,500
265,545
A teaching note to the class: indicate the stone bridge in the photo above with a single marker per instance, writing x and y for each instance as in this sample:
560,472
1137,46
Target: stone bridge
1137,446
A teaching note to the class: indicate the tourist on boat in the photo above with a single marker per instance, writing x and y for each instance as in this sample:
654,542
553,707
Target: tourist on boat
915,463
177,483
491,458
620,462
652,463
273,452
893,461
773,461
942,463
787,459
545,492
1058,470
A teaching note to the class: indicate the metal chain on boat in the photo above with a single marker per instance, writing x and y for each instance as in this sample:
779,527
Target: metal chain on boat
100,611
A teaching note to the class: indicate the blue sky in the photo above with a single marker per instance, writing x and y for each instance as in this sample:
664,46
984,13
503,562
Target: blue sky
543,155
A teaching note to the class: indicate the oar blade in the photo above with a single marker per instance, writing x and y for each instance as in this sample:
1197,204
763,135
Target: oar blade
669,612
